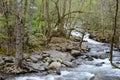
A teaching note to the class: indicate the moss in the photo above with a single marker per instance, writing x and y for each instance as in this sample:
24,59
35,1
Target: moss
3,51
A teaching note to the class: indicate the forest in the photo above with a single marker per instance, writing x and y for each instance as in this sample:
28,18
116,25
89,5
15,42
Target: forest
59,40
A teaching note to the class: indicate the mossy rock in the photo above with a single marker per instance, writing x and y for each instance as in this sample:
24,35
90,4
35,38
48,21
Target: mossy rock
2,63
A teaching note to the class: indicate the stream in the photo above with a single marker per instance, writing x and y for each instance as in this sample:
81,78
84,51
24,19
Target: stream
96,69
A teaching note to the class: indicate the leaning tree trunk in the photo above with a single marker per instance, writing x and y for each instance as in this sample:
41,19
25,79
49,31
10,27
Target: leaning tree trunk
19,28
113,36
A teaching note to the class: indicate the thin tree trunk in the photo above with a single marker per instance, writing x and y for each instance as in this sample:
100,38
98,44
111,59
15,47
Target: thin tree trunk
25,35
80,44
113,36
31,10
47,18
48,28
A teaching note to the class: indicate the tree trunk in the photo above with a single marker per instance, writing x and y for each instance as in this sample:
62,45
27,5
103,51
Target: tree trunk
80,44
47,18
31,9
113,36
19,35
61,28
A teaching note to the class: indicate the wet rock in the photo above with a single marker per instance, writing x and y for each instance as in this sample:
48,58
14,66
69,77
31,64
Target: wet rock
55,65
9,59
2,62
63,65
75,53
117,62
99,64
48,59
37,66
76,38
84,46
45,54
28,60
59,78
35,60
26,56
97,55
89,58
106,77
57,60
46,64
107,51
78,61
73,46
68,64
115,49
59,55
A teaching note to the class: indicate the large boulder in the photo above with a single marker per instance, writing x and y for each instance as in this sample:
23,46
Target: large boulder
37,66
59,55
55,67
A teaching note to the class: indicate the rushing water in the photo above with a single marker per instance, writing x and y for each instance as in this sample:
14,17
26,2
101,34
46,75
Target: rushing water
83,71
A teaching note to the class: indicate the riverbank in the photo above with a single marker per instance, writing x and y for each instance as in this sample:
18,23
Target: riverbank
92,65
59,53
63,58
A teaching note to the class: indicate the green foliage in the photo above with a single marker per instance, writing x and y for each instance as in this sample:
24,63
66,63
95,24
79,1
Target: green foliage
3,37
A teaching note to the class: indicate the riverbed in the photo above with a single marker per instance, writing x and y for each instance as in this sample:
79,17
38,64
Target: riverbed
89,67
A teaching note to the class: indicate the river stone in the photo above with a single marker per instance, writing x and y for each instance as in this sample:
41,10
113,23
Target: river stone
97,55
46,64
63,65
48,59
68,64
9,59
84,46
75,38
55,65
37,66
59,78
2,62
35,60
45,54
59,55
106,77
99,64
75,53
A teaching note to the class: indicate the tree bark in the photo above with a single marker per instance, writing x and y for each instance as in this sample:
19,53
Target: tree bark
19,35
